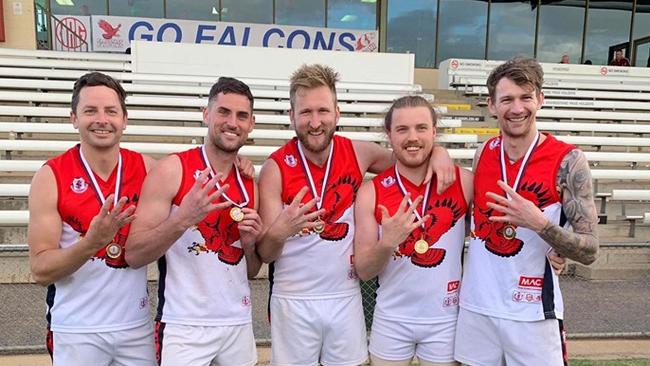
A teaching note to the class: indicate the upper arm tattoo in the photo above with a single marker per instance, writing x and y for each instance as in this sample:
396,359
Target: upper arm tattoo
574,183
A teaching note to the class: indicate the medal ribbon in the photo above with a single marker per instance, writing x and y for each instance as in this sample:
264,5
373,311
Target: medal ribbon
91,175
524,162
402,189
240,183
309,177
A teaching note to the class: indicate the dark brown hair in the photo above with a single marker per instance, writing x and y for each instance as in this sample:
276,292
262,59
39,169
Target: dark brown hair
523,71
97,79
227,85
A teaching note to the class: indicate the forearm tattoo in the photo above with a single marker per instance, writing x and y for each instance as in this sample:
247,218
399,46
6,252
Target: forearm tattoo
574,184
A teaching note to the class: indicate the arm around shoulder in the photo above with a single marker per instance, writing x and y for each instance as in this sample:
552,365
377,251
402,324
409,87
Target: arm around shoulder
372,157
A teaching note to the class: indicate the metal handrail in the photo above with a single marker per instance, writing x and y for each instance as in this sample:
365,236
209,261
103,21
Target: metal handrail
84,45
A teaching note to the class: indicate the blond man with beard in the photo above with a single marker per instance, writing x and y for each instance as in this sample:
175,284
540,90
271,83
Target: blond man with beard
307,191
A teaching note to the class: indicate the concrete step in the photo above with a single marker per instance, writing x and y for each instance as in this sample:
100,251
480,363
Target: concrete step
13,235
611,272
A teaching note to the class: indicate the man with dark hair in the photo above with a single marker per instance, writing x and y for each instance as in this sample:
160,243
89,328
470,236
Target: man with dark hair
198,217
529,188
619,59
81,204
307,190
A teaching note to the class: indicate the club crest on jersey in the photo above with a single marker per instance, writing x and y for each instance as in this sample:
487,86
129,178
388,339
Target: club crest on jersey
388,181
197,174
290,160
495,143
78,185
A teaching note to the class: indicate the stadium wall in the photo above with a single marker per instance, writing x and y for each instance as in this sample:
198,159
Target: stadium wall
20,29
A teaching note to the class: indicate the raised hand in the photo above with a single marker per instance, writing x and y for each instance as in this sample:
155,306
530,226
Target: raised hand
297,216
517,210
107,222
395,229
198,202
250,229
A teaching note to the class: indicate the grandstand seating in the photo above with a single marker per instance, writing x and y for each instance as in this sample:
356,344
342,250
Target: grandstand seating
165,116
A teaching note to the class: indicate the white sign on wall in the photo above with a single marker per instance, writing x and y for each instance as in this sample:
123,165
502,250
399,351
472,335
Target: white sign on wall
69,31
114,34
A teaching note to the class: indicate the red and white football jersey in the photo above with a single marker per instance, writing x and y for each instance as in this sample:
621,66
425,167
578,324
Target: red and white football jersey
319,265
511,277
104,294
203,277
419,286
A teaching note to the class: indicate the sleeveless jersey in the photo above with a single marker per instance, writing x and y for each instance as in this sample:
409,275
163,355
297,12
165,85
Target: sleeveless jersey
314,265
422,287
203,276
104,294
509,277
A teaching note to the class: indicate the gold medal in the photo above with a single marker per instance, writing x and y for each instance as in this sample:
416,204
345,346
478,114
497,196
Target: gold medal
509,232
320,227
236,214
113,250
421,246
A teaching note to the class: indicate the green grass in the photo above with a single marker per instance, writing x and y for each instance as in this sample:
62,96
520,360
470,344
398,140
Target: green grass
643,362
639,362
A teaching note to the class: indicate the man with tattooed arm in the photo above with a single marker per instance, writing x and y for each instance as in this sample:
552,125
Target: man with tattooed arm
528,189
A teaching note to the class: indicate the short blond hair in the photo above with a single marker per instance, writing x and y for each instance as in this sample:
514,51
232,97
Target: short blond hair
313,76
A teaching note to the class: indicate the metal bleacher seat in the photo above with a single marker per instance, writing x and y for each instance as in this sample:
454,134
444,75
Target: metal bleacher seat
179,90
199,132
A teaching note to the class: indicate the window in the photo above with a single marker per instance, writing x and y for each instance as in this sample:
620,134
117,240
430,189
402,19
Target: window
462,28
195,10
560,31
247,11
642,20
512,29
412,29
608,25
136,8
352,14
78,7
300,12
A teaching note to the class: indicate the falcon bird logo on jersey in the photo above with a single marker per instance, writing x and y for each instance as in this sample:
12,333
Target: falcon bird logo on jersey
219,232
339,196
492,233
119,238
444,215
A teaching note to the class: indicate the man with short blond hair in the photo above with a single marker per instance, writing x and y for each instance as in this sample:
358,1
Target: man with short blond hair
307,190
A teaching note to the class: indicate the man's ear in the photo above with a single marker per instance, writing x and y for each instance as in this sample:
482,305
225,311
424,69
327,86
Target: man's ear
491,107
206,111
540,100
74,120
